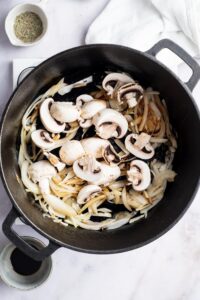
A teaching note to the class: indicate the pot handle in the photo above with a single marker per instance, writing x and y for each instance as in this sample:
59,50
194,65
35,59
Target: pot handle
165,43
20,243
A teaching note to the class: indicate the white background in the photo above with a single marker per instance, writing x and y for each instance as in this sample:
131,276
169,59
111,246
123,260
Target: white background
167,269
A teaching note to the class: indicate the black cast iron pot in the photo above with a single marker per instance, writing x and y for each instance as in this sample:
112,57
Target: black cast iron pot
76,64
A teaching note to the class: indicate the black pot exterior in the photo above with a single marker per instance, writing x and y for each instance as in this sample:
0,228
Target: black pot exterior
76,64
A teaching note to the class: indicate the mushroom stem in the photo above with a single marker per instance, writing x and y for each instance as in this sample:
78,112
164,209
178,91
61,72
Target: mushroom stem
110,123
139,175
86,192
139,145
71,151
55,161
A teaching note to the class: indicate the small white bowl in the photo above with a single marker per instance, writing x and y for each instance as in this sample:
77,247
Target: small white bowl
27,282
17,10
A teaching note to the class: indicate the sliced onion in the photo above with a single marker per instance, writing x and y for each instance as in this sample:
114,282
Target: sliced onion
121,219
133,220
59,206
145,113
33,187
125,199
155,109
68,87
54,89
21,156
94,225
158,140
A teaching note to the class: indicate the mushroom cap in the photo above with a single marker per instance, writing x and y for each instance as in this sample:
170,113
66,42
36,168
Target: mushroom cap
94,172
139,145
85,123
29,184
94,146
42,139
108,174
81,99
41,169
71,151
64,112
107,83
130,93
110,123
89,109
139,175
110,155
88,168
47,120
86,192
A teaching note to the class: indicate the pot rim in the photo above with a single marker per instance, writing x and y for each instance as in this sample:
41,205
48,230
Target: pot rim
11,197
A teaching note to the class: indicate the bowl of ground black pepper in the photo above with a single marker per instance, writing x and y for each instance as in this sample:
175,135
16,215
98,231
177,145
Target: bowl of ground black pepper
26,24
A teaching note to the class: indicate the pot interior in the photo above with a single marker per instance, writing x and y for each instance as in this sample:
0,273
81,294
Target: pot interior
76,64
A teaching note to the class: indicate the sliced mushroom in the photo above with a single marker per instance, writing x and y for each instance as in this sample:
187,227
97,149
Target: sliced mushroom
71,151
90,108
84,98
29,184
85,123
110,155
94,146
47,120
42,139
68,87
108,174
41,169
111,79
80,100
88,168
86,192
114,104
40,172
139,145
110,123
55,161
139,175
126,158
64,112
129,93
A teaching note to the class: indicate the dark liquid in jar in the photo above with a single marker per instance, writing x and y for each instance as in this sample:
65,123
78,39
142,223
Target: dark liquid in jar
23,264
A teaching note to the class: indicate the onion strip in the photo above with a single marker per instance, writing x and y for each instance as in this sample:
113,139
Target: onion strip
150,115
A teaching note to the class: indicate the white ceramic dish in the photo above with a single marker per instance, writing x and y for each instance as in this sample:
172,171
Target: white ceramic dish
28,282
21,8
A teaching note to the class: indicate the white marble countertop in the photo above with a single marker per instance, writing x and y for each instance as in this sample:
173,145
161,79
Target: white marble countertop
167,269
